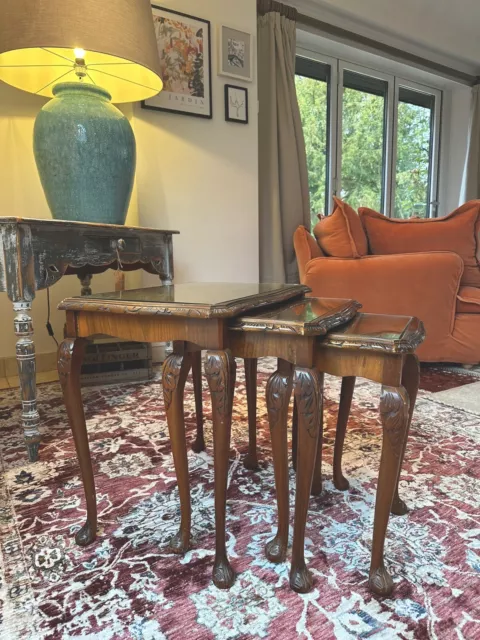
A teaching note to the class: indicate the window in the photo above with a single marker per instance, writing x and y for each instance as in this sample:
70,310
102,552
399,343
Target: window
370,137
313,89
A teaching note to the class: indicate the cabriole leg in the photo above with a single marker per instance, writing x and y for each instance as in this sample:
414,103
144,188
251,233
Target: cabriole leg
394,412
308,388
220,369
279,390
251,459
70,357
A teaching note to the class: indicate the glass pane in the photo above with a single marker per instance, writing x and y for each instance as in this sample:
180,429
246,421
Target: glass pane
312,94
363,140
414,153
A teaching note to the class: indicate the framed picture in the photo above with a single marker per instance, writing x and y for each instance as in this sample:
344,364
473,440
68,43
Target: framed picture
236,104
184,46
235,54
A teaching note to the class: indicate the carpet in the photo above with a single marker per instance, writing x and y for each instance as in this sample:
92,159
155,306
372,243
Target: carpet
128,586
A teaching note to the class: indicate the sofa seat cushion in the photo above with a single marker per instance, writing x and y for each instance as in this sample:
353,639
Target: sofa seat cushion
468,300
456,232
341,235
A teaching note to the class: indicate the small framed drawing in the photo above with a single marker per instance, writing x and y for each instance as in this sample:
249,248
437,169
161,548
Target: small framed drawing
236,104
184,47
235,54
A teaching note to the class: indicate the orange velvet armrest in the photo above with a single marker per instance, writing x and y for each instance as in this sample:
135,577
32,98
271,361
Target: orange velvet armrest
306,248
424,285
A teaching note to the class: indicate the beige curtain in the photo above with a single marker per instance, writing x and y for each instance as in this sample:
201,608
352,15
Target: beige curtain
472,174
283,177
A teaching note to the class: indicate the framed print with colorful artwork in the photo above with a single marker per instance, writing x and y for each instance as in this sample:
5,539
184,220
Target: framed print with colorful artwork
235,54
184,47
236,104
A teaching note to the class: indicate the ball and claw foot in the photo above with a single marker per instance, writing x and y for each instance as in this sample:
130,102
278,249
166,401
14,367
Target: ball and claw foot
250,462
276,551
301,580
342,484
178,545
380,582
198,445
399,508
32,450
85,535
223,574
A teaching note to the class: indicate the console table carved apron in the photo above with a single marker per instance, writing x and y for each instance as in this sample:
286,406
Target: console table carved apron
194,317
35,254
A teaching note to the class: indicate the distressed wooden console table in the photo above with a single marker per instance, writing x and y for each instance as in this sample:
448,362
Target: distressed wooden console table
35,254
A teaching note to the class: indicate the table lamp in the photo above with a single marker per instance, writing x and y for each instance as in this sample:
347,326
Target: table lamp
85,54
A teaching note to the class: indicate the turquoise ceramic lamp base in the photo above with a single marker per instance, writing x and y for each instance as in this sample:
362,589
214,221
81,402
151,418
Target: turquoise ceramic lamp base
85,153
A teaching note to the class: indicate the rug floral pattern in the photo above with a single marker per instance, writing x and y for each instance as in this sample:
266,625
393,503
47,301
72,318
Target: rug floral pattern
128,584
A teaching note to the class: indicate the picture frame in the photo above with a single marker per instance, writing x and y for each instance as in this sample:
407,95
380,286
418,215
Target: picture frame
186,70
235,53
236,104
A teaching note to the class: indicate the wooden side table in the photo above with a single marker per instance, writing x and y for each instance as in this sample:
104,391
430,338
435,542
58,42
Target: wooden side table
195,317
35,254
379,348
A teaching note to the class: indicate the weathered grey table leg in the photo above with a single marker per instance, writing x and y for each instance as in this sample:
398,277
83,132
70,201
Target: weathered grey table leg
25,350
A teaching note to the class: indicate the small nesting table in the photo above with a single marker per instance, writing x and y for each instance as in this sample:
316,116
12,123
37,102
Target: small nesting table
194,317
377,347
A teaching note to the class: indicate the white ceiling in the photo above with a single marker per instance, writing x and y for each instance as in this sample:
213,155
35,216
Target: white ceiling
448,28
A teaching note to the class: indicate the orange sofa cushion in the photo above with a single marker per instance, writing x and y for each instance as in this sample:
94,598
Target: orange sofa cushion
468,300
456,232
341,234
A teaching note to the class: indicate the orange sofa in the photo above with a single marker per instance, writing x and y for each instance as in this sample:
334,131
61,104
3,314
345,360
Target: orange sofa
423,268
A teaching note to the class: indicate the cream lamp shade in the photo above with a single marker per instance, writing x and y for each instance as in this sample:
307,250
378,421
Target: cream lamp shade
111,42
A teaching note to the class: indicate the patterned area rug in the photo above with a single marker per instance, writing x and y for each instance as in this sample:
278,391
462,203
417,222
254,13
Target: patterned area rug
128,585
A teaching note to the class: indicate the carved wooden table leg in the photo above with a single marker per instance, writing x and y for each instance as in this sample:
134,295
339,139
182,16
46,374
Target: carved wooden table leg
308,388
394,412
346,395
25,351
410,381
251,460
279,391
220,369
175,372
70,357
198,444
294,434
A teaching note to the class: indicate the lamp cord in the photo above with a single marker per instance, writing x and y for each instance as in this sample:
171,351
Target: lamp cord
51,333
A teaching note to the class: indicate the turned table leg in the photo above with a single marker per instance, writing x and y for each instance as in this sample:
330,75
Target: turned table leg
394,412
410,381
346,395
174,376
70,357
220,369
308,389
279,391
198,444
251,459
25,351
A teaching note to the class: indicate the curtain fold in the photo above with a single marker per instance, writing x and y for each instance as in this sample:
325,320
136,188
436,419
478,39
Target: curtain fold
472,169
283,177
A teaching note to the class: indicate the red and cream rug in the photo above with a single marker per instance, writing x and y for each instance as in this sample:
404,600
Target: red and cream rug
128,586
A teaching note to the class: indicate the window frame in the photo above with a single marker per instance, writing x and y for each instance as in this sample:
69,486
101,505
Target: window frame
433,193
387,168
336,91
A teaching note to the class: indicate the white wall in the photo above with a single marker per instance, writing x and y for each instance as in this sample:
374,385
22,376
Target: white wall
201,176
